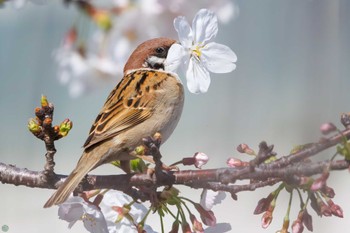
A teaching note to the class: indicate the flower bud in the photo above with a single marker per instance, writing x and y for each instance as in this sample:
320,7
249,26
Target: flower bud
335,209
56,129
140,150
47,122
186,227
244,148
233,162
328,128
263,204
297,226
39,112
197,225
266,219
65,127
44,102
175,227
325,209
345,119
200,159
328,191
207,216
157,137
34,126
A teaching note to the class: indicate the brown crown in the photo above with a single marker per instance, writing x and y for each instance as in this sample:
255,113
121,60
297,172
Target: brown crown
144,50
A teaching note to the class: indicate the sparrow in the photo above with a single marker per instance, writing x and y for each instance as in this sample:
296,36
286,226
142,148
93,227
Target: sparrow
146,101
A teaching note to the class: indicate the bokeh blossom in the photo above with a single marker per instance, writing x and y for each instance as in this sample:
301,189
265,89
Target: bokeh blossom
114,31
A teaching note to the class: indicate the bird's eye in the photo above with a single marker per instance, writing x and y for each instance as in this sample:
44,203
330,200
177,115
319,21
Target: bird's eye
160,50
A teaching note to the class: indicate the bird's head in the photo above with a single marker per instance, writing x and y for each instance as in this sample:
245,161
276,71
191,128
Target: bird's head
150,54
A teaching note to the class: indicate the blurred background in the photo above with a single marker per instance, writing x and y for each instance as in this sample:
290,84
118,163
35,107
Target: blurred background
292,75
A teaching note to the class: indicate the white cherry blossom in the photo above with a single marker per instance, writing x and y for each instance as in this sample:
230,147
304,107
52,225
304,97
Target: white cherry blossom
105,218
75,208
137,211
197,54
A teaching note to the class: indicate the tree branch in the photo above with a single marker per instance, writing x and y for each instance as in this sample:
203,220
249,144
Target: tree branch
207,178
264,170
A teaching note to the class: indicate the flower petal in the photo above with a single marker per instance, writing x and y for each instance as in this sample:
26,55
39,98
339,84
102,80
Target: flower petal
218,58
176,57
198,78
75,208
205,26
209,198
184,31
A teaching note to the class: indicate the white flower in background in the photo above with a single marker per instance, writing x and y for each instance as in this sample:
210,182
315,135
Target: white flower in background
75,208
137,211
197,55
84,70
83,74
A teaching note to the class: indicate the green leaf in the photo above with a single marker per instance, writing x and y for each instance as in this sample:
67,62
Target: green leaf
138,165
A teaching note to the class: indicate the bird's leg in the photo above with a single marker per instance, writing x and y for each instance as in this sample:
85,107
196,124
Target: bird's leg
125,166
153,144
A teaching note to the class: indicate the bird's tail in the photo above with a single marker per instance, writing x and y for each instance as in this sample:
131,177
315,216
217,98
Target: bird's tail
85,164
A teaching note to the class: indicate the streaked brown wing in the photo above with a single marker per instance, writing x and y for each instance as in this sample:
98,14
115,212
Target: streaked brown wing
130,103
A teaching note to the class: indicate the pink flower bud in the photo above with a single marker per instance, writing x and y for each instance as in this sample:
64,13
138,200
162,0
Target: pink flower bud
297,226
233,162
175,227
335,209
200,159
266,219
197,225
186,227
327,128
244,148
328,191
207,216
325,209
263,204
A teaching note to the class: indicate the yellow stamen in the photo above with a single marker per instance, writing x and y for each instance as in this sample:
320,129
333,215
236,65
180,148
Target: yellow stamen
197,51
